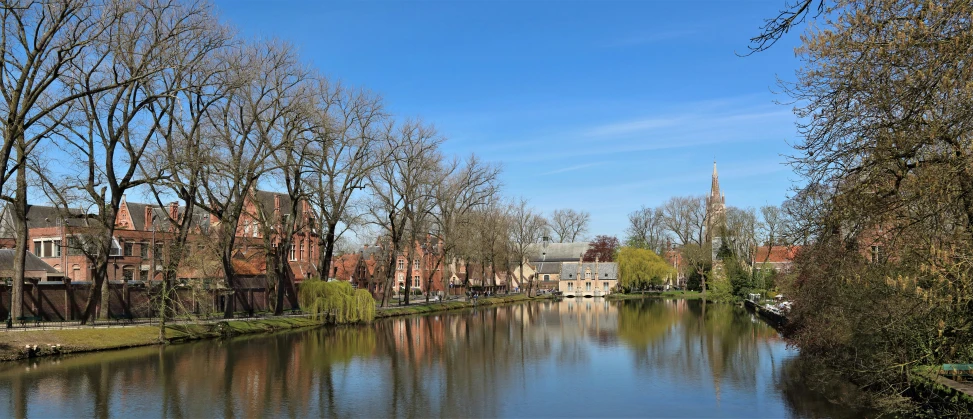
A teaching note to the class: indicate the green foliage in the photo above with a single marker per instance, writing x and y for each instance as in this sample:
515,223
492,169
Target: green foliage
718,285
639,268
336,301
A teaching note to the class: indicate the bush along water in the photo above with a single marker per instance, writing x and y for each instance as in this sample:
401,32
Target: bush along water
336,302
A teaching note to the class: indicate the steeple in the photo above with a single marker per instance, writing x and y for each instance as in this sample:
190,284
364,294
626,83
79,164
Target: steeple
715,207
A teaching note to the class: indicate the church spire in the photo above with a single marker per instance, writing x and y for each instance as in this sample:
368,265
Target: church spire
715,188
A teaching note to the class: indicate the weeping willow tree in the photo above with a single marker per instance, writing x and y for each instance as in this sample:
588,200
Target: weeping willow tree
336,302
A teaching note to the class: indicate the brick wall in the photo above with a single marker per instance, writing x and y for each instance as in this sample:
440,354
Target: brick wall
60,302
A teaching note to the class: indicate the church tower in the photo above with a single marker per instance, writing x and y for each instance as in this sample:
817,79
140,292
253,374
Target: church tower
715,210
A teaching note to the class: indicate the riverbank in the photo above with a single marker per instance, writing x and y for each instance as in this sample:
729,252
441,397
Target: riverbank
454,305
685,295
57,342
14,345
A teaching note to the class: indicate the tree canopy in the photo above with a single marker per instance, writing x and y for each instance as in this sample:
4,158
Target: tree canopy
639,268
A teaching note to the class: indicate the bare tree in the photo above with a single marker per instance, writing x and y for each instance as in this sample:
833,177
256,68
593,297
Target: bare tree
109,131
178,158
740,232
294,132
646,229
526,228
569,225
794,13
685,217
469,186
39,42
400,189
243,125
349,145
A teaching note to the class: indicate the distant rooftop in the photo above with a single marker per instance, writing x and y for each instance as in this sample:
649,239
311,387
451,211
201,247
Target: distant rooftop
557,252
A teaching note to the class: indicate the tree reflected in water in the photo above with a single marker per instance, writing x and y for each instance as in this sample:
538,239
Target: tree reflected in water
682,357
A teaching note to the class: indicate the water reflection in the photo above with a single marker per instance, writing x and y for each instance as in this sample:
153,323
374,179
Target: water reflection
578,357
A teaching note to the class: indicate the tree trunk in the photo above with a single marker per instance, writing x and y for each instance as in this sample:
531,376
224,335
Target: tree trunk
20,249
96,294
408,275
227,260
325,266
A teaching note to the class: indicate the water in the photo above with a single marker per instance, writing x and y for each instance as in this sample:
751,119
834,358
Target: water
574,358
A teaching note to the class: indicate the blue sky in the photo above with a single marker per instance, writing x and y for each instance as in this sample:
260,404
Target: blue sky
593,105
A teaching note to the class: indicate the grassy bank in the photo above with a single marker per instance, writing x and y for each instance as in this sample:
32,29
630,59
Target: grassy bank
452,305
53,342
686,295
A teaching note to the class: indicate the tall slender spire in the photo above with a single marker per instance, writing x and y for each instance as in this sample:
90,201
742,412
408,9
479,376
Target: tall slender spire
715,189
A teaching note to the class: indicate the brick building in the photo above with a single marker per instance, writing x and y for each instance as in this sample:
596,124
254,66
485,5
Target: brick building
365,269
142,234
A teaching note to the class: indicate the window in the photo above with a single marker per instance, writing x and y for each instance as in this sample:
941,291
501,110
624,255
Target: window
144,275
604,286
129,248
401,265
76,272
293,252
570,286
415,264
399,277
144,250
587,275
415,281
587,286
302,250
128,273
47,248
74,246
157,252
547,277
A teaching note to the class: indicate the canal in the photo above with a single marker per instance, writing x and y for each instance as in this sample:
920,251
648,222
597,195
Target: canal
573,358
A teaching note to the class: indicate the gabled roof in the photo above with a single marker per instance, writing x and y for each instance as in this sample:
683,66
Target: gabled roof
32,263
548,267
161,218
266,201
605,270
557,252
137,212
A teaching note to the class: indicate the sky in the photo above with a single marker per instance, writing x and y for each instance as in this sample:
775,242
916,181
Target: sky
598,106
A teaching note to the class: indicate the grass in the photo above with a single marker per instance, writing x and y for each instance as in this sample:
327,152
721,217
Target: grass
98,339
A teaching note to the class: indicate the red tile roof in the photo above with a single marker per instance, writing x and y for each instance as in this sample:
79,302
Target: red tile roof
778,254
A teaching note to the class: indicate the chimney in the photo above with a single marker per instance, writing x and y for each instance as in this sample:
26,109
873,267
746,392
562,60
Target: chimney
148,218
174,210
277,202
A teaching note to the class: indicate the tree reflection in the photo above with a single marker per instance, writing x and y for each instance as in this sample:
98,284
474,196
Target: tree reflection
456,364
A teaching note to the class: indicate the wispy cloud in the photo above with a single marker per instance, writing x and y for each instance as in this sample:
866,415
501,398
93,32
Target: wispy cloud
572,168
628,127
696,126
